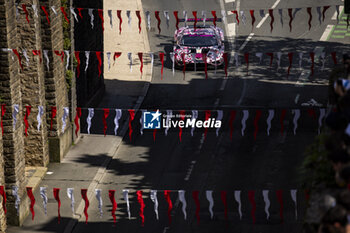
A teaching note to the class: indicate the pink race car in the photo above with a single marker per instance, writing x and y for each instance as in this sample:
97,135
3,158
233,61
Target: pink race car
191,45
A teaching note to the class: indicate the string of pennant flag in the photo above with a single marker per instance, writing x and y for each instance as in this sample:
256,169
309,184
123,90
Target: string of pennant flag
237,57
239,16
252,196
130,113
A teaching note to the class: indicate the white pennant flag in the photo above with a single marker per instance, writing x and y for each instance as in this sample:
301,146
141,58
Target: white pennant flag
194,116
244,18
26,56
267,203
64,117
44,197
99,199
169,114
70,194
323,56
130,59
172,57
269,119
47,58
118,115
194,61
141,121
259,55
262,13
296,113
322,115
110,18
148,17
109,60
223,14
155,201
152,61
244,119
238,200
14,115
35,9
87,55
209,195
236,55
185,16
129,18
300,59
279,54
183,201
54,10
204,16
126,198
91,13
89,117
219,118
68,56
293,194
17,198
337,9
347,130
319,14
280,11
166,15
40,115
74,14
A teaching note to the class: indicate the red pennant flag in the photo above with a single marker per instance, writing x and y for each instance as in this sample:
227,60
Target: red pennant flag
3,194
114,204
142,206
161,57
253,17
56,194
28,108
272,18
60,54
290,57
195,195
116,55
119,14
290,13
312,113
24,7
283,115
194,13
131,118
251,195
32,201
98,55
141,60
204,57
3,110
246,58
236,13
271,57
280,200
312,56
53,115
184,64
334,57
76,53
224,201
105,115
177,19
170,204
156,13
207,116
76,120
37,53
154,134
100,14
79,12
232,119
64,13
87,203
256,121
139,17
310,16
182,113
226,63
325,8
215,17
46,13
19,58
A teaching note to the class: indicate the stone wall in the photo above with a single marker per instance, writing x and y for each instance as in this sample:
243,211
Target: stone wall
2,181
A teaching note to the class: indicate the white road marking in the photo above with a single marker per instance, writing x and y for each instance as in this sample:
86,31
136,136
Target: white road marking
247,40
326,32
223,84
231,29
229,1
297,98
267,15
334,17
49,173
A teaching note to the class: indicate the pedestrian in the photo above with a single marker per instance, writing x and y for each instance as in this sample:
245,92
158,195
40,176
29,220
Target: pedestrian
335,221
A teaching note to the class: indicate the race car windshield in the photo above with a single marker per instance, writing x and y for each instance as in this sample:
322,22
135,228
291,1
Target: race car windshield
199,40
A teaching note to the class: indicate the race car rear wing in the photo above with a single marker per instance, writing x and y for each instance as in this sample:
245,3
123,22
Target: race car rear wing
200,20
